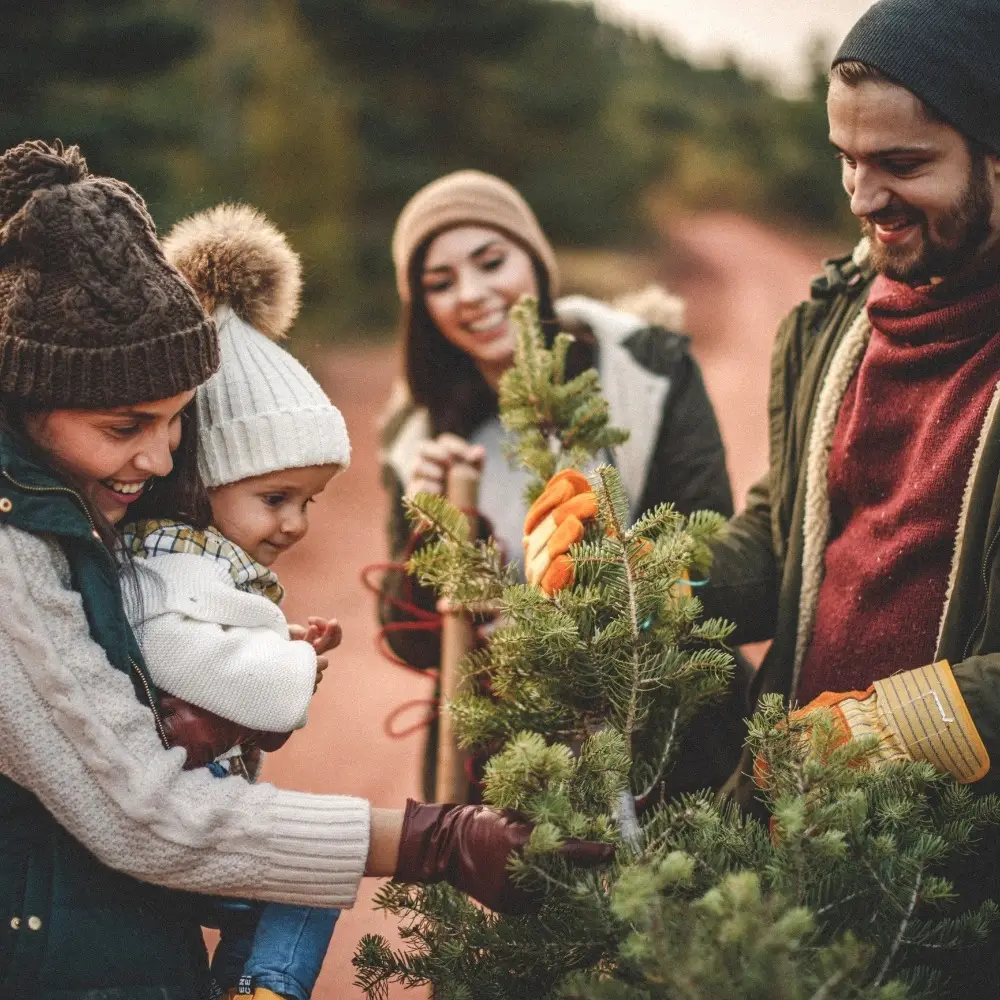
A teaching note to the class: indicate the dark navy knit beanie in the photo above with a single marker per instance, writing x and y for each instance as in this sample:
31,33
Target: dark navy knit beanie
947,52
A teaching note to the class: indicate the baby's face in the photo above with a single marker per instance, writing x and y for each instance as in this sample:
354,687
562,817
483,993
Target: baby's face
267,515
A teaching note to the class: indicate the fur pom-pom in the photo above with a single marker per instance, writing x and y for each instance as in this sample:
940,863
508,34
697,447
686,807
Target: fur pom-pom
655,305
33,166
232,256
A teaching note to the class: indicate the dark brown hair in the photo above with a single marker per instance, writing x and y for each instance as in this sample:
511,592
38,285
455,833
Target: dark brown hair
180,495
853,72
441,377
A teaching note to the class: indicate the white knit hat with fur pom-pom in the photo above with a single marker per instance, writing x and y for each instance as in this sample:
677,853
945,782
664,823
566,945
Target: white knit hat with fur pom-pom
261,412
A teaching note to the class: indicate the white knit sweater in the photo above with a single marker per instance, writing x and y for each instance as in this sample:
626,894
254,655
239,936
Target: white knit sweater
215,645
73,733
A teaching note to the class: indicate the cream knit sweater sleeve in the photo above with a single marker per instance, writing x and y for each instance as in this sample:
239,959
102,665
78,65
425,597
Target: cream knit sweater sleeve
73,733
216,646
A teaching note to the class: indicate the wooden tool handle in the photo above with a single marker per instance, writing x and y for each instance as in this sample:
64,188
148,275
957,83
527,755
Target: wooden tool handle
457,637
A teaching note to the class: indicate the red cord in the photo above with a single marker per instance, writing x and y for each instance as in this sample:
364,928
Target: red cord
389,723
423,621
426,621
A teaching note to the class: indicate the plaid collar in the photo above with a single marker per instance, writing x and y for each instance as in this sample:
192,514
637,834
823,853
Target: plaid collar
156,537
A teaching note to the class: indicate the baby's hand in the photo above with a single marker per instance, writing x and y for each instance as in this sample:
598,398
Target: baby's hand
321,665
324,634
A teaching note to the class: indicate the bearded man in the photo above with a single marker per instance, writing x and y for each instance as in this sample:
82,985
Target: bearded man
870,552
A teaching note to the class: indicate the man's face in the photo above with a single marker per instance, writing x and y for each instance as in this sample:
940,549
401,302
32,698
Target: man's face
928,205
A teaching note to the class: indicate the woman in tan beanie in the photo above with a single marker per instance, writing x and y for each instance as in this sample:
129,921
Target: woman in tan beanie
466,248
105,832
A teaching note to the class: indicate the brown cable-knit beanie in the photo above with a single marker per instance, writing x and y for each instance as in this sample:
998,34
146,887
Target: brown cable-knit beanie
91,313
467,198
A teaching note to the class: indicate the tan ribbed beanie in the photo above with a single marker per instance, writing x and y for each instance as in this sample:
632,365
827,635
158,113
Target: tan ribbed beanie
467,197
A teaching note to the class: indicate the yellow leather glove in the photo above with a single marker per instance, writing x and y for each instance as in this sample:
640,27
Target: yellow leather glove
917,715
552,525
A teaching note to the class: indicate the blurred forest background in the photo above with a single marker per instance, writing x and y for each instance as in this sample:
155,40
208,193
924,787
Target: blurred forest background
329,114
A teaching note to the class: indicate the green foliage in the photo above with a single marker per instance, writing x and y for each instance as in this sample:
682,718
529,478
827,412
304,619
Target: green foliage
585,686
81,71
846,895
621,112
734,941
461,571
558,424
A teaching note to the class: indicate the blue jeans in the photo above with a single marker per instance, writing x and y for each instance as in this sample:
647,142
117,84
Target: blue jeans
272,945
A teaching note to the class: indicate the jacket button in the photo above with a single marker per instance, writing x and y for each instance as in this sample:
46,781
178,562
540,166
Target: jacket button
5,505
15,923
35,923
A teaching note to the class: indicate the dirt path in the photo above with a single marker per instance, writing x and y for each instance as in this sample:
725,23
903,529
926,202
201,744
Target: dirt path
739,279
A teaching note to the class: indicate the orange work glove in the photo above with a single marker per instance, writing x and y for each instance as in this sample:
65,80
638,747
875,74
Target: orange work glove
917,715
553,524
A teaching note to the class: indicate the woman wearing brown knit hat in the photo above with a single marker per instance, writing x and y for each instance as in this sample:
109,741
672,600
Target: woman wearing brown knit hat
466,248
103,832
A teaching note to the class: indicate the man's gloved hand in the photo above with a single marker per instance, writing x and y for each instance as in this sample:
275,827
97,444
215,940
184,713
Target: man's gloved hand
916,715
855,714
469,846
201,733
553,524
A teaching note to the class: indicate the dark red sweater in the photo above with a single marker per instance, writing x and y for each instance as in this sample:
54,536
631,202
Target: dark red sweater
902,451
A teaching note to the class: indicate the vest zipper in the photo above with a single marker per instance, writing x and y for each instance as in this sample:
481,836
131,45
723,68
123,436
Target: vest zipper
986,584
157,720
55,489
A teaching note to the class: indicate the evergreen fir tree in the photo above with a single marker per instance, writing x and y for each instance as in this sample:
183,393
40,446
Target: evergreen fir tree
79,69
843,895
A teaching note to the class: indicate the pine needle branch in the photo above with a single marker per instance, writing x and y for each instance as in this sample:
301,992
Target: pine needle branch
588,692
668,747
901,933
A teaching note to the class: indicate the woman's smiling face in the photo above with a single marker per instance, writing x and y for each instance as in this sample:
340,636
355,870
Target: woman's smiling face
111,456
471,277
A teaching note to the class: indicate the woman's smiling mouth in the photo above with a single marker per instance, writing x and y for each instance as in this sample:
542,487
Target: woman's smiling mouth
123,491
492,323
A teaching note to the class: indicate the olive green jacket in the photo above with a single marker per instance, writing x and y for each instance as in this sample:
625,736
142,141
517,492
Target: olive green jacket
767,569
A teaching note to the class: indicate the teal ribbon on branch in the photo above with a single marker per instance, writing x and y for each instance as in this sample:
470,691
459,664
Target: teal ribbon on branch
648,623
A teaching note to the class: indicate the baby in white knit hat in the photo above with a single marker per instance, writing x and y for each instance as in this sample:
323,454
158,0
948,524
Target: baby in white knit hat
204,604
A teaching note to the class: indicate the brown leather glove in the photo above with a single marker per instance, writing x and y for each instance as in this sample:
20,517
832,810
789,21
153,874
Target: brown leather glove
469,846
201,733
268,742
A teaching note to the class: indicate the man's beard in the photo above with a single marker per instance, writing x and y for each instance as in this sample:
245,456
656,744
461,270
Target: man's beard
960,234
